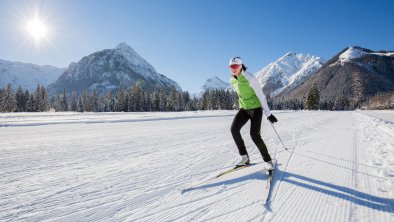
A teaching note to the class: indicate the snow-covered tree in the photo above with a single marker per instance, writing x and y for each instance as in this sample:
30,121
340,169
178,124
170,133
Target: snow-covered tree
7,99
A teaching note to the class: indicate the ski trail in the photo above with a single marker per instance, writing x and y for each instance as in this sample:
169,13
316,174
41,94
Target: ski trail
374,159
300,176
339,167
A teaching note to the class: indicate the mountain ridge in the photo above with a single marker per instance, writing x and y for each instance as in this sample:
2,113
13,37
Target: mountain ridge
111,69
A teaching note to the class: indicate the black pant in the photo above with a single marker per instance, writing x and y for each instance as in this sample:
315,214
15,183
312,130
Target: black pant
255,116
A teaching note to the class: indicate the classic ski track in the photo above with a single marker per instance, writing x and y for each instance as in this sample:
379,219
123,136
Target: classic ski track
47,202
346,190
202,195
290,202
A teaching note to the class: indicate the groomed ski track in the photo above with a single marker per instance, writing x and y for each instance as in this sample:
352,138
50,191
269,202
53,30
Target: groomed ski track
339,167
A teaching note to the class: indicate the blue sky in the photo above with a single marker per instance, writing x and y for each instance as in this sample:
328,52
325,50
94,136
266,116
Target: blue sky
192,40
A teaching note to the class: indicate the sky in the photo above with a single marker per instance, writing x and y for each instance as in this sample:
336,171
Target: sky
190,41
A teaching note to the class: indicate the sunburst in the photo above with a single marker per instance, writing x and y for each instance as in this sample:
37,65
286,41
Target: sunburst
37,29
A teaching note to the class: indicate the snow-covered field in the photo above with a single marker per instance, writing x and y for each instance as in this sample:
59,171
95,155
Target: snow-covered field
129,167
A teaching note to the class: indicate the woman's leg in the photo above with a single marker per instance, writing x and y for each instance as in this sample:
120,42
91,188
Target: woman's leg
239,121
255,133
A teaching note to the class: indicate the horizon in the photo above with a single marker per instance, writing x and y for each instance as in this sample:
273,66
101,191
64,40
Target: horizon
192,41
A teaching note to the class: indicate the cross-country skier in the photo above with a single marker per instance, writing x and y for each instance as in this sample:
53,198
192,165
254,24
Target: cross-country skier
252,104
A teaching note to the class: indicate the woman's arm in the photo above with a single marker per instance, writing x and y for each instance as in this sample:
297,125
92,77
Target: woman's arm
259,93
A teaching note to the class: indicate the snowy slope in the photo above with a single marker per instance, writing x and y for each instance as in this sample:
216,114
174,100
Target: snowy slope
111,69
214,83
357,52
288,71
27,75
210,84
128,166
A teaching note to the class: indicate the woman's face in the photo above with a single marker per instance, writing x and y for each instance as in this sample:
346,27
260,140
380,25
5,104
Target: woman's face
236,69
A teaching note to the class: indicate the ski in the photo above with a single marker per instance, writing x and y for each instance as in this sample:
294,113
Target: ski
236,168
268,187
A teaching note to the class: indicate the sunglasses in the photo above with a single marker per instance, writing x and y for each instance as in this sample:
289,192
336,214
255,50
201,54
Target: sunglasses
234,66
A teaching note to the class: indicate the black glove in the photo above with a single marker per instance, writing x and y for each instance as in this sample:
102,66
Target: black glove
272,119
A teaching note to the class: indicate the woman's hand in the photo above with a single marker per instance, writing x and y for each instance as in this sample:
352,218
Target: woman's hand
272,119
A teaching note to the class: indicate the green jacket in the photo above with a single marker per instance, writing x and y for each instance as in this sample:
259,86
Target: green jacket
250,94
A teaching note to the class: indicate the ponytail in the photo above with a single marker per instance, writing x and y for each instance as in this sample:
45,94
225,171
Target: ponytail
244,68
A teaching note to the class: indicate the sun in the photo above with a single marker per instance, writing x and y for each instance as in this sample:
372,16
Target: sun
37,29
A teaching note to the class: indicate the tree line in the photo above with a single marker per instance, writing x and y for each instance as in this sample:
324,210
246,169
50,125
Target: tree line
132,99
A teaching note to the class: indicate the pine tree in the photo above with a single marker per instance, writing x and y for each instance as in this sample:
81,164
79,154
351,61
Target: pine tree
31,104
9,99
121,101
58,103
358,90
106,102
64,102
147,102
136,98
205,100
2,94
313,99
156,101
37,97
41,98
20,100
95,101
80,105
112,103
339,103
173,104
74,101
52,103
163,100
44,99
86,102
186,101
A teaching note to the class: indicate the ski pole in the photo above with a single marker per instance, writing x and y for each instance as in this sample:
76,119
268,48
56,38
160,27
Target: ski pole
278,136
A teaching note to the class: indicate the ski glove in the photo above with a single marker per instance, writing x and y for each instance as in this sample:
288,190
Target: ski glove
272,119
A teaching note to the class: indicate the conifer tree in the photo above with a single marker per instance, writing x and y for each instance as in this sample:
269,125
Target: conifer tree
20,100
8,100
74,101
313,99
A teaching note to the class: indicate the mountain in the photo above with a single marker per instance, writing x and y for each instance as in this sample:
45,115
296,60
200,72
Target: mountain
111,69
27,75
287,72
214,83
353,75
210,84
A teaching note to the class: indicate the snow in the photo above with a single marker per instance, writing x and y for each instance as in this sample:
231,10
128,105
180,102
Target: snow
355,53
350,54
134,58
27,75
211,84
214,83
129,167
384,54
122,62
289,70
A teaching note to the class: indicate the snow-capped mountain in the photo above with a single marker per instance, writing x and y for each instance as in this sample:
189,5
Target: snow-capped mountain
111,69
353,75
27,75
288,71
214,83
355,52
210,84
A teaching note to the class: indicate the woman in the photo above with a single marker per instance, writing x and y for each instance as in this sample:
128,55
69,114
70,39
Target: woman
252,104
